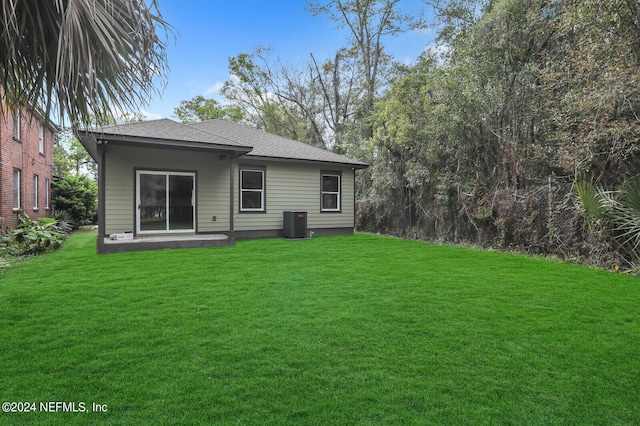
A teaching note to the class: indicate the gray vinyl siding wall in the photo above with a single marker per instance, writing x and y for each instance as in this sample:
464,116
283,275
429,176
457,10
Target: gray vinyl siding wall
295,186
212,184
289,186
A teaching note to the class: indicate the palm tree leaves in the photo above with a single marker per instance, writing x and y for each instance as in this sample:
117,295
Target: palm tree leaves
616,212
88,58
624,215
595,201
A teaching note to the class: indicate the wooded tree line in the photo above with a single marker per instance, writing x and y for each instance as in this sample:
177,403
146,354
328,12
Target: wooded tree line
482,139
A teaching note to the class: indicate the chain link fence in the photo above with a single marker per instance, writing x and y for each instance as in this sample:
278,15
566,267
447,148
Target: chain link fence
546,218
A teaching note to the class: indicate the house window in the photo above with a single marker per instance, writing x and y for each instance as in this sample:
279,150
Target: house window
41,138
166,201
252,190
35,192
330,197
16,189
46,193
16,124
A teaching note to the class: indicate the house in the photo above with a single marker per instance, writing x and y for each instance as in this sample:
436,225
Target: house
165,184
26,165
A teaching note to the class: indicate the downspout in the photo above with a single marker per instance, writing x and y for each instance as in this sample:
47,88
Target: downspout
355,204
232,237
102,155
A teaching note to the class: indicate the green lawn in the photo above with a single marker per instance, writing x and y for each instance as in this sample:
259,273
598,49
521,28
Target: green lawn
339,330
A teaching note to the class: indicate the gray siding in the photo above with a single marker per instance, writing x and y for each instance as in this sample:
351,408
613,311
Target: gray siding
212,183
289,186
295,186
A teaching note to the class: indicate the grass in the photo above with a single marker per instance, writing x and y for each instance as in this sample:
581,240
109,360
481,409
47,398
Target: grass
339,330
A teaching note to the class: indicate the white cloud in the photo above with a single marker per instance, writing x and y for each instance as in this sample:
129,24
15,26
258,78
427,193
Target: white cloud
150,115
428,30
214,90
127,116
408,60
439,51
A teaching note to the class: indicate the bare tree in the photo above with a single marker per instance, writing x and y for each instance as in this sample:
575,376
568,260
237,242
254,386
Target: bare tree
369,21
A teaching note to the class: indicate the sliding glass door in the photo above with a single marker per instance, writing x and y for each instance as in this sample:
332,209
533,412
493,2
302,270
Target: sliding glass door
165,201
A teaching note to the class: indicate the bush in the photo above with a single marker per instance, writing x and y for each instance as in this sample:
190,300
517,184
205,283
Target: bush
78,196
30,237
63,220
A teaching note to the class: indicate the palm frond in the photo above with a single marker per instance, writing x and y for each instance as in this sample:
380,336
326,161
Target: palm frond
625,218
595,201
88,58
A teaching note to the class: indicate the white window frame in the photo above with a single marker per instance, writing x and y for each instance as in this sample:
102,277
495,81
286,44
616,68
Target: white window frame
261,191
17,192
35,192
166,174
16,124
338,193
41,138
47,183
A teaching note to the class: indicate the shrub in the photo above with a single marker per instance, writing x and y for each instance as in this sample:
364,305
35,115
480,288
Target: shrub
616,212
78,196
30,237
63,220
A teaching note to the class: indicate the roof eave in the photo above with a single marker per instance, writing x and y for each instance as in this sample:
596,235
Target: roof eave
99,137
88,141
356,166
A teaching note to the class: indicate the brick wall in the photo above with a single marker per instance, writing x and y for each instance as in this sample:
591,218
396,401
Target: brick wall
24,154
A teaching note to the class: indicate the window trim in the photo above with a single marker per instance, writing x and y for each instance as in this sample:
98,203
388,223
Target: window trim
17,190
47,200
324,173
35,192
16,124
41,138
263,191
167,174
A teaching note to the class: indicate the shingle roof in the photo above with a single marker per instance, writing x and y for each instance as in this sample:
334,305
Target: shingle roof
223,134
165,129
271,146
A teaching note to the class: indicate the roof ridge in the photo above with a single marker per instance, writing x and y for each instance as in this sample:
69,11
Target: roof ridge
306,145
127,124
269,145
192,125
189,125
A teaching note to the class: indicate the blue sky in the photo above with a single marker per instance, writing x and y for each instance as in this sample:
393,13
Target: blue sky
211,31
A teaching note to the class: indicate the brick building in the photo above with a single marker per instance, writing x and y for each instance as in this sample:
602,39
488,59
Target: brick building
26,166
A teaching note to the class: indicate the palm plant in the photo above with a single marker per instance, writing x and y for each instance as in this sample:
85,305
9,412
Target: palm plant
624,216
63,220
595,202
615,212
86,58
